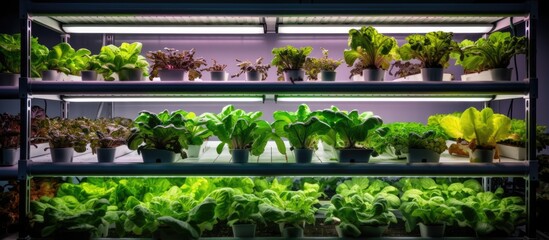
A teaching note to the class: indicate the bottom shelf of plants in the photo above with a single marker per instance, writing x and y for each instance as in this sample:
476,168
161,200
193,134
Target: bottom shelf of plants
271,207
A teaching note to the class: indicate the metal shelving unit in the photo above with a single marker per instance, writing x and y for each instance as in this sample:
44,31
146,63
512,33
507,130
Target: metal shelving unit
271,15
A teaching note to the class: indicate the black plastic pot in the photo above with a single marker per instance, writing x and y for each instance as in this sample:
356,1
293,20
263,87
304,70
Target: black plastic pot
62,155
432,74
253,76
373,74
292,232
432,231
422,156
171,74
133,74
303,155
328,76
157,156
482,156
51,75
106,155
296,75
89,75
354,155
501,74
218,76
9,157
240,155
244,230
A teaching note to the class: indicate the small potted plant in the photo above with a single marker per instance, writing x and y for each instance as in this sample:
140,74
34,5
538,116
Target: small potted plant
254,71
360,215
159,136
63,59
302,129
125,61
241,211
353,130
515,145
244,133
432,50
9,139
489,57
91,67
217,71
10,59
290,209
374,50
483,129
426,147
109,134
289,61
406,70
198,133
172,65
324,66
65,136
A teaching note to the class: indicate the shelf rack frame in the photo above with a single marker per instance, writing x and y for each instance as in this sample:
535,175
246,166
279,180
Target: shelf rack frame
29,8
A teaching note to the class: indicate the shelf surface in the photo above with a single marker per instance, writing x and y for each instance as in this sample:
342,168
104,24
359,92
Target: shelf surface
491,90
8,92
272,163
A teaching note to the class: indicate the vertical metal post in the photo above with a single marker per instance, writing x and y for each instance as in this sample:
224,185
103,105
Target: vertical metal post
531,109
487,184
64,109
108,39
65,37
25,111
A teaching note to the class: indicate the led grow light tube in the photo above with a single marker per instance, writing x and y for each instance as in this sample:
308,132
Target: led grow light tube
383,99
395,29
163,99
164,29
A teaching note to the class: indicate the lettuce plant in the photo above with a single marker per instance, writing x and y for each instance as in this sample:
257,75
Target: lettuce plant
109,133
487,212
294,208
9,131
373,49
313,66
432,49
483,129
301,128
166,131
356,210
429,140
237,208
10,54
419,207
127,56
241,130
354,129
68,133
518,137
248,66
495,51
171,58
63,58
289,58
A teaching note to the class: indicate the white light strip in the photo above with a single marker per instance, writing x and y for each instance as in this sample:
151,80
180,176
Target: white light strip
384,99
163,99
164,29
395,29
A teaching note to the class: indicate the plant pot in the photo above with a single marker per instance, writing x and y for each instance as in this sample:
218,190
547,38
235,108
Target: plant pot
291,232
240,155
372,231
193,151
89,75
51,75
514,152
253,76
373,74
432,74
171,74
482,156
328,76
106,155
157,156
219,75
422,156
9,79
62,155
9,157
432,231
501,74
294,75
134,74
303,155
244,230
354,155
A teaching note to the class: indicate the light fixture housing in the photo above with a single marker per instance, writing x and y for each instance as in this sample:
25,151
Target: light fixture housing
384,99
164,29
390,29
160,99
